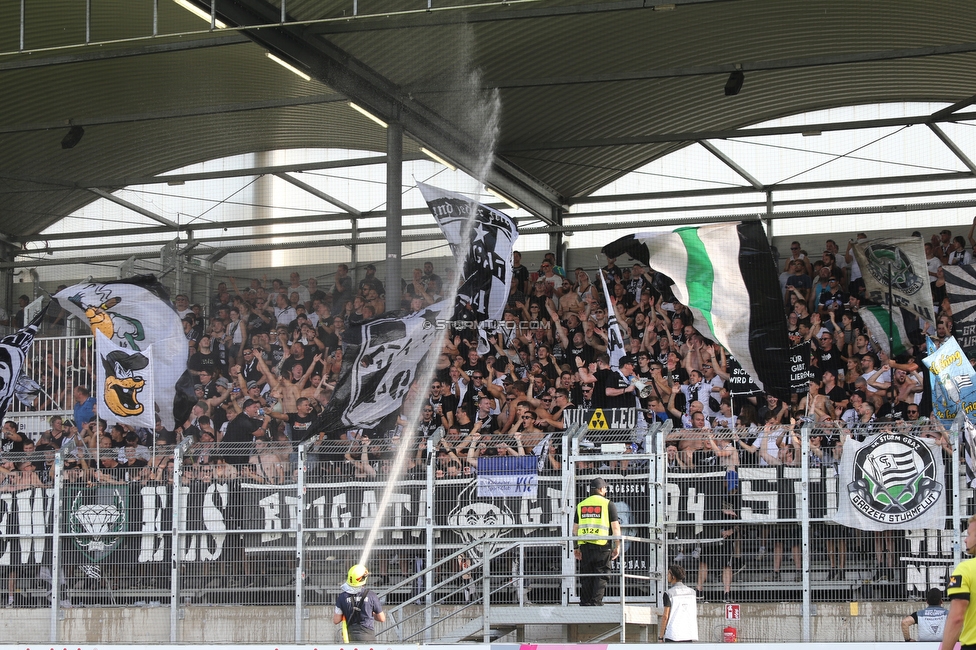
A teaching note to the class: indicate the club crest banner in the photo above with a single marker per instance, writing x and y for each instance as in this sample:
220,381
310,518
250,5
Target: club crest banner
892,481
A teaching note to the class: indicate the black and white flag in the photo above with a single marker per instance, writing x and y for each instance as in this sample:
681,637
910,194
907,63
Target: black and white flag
380,359
484,250
615,338
13,354
960,284
969,452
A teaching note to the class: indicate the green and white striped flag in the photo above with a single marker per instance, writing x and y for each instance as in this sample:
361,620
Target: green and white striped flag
726,275
878,321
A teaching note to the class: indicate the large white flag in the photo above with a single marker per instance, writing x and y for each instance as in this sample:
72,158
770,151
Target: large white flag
615,339
891,481
135,314
898,263
484,251
725,274
124,387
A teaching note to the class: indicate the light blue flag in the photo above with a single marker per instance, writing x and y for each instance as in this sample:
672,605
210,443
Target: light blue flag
953,382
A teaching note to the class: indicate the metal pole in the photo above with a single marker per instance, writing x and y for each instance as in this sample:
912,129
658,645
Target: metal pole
569,558
805,529
300,547
394,208
660,509
174,585
429,542
623,592
486,598
56,541
958,432
890,393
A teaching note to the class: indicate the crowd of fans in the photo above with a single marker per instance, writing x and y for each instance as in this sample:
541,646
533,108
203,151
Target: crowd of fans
265,357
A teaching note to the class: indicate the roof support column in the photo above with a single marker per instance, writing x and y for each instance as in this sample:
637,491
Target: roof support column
556,238
8,253
394,217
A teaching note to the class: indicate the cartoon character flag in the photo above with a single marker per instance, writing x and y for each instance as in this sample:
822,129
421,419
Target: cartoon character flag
124,384
13,352
135,314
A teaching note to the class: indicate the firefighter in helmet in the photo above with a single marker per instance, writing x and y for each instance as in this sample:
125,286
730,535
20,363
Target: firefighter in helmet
358,608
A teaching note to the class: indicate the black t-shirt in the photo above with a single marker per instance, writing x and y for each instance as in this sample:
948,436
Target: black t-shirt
469,369
305,362
584,352
837,395
250,370
605,378
200,361
448,403
329,339
521,274
300,425
829,360
240,430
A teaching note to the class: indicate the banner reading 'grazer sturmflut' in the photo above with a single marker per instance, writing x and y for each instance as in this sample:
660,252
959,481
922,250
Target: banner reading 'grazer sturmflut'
953,382
725,274
898,264
891,481
134,314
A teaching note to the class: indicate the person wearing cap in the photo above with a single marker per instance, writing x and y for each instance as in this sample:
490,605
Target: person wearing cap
241,432
371,281
596,521
358,606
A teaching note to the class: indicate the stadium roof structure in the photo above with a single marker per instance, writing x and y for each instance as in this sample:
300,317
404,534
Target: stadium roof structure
104,94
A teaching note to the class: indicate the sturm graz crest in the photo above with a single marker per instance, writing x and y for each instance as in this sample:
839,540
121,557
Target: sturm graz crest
895,479
883,258
96,520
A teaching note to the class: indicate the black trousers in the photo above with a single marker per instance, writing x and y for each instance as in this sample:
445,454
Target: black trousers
596,561
359,633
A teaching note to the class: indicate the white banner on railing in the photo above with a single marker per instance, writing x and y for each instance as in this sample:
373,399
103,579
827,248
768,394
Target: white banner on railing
891,481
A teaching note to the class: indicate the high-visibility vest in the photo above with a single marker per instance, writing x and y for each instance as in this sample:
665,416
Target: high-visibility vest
593,517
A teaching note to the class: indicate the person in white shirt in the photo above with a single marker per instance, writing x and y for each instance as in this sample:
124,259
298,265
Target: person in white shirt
679,622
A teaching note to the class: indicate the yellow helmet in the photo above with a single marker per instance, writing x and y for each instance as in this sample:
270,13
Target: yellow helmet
357,575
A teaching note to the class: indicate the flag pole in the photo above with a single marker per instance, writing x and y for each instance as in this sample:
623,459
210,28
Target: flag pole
890,393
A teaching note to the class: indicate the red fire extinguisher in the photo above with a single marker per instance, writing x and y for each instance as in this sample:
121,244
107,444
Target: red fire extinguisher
729,634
